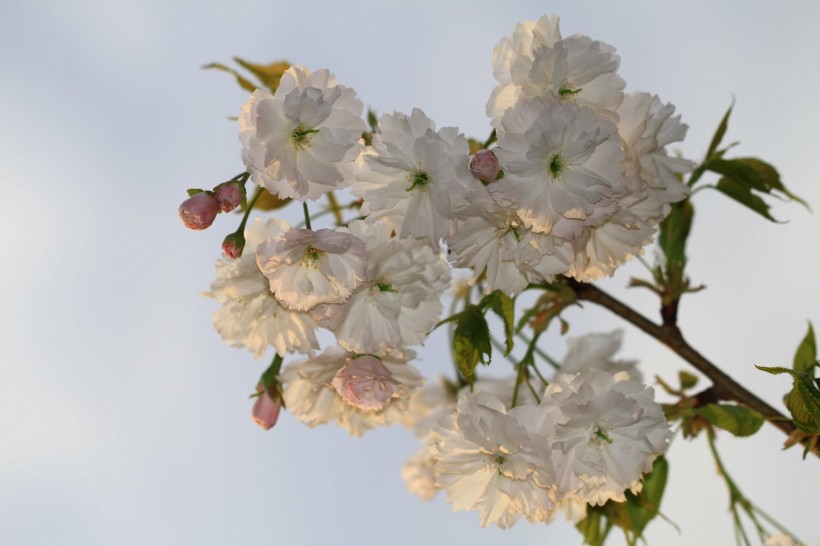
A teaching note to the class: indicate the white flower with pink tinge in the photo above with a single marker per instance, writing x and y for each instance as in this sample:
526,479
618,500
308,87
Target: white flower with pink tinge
298,141
306,268
604,431
401,300
536,61
312,398
597,350
562,167
486,459
250,316
364,382
414,176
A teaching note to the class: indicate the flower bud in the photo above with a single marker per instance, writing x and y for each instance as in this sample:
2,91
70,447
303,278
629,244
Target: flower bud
265,411
484,166
199,210
365,383
229,195
233,245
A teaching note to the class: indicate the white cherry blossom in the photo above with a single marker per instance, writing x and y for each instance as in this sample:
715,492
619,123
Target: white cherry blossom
305,268
297,141
250,316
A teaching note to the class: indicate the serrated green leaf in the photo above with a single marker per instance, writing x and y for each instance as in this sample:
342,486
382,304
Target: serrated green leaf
770,177
687,380
742,193
268,74
804,408
740,171
775,370
738,420
503,306
243,82
720,132
806,354
644,506
471,341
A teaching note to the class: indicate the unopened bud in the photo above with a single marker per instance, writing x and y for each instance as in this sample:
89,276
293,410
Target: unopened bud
365,383
199,210
265,411
484,166
233,245
229,195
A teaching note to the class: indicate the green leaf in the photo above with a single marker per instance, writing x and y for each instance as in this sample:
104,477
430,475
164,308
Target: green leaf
804,409
268,74
687,380
471,341
193,191
770,178
633,515
372,121
775,370
742,193
243,82
594,527
720,132
738,420
806,354
740,171
644,506
503,306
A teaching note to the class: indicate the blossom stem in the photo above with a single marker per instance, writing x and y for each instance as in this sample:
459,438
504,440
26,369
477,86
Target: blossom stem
249,208
270,378
547,358
307,215
334,206
725,388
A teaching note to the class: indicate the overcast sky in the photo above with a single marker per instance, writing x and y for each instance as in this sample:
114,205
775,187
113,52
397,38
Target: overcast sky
124,418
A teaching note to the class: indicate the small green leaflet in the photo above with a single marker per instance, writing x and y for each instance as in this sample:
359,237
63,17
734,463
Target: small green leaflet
738,420
471,341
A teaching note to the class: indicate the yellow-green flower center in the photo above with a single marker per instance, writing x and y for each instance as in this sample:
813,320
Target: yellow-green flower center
417,179
301,137
311,256
556,166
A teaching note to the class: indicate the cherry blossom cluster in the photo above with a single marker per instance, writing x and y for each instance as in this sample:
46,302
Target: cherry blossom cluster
588,440
574,183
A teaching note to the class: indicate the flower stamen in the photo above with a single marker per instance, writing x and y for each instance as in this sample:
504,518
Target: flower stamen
301,137
417,179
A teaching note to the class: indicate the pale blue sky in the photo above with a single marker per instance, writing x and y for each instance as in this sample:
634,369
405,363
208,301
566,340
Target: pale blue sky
124,418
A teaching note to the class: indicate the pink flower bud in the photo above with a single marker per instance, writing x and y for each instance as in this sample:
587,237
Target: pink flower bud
365,383
199,210
265,411
229,195
484,166
233,245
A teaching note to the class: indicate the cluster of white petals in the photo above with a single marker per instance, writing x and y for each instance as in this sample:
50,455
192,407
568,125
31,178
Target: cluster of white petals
414,177
575,185
401,300
250,316
536,61
595,430
486,459
297,141
306,268
311,397
598,350
606,432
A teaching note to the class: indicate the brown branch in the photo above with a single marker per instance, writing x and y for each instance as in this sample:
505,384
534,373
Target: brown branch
724,387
